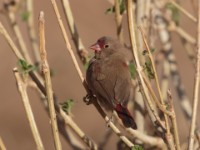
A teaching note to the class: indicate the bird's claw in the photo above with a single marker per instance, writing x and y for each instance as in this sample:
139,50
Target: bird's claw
88,99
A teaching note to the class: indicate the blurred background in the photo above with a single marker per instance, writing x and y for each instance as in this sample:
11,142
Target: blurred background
92,22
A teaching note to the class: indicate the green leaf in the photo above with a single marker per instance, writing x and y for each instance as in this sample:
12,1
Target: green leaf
67,105
175,12
110,10
152,50
146,52
137,147
132,70
149,70
86,64
25,15
121,5
24,67
168,106
52,72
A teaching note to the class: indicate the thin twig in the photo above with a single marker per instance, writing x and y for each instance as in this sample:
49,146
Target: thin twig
163,109
156,77
66,39
132,36
48,85
165,79
136,59
139,110
157,85
118,20
197,132
158,88
139,69
65,119
111,125
68,121
185,12
2,145
135,52
14,48
10,42
139,116
83,54
147,139
22,87
134,47
31,30
140,5
170,141
173,27
186,39
165,38
174,121
189,49
196,86
17,31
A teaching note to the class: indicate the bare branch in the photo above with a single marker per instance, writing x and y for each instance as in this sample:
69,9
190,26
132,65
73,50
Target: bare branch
174,121
66,39
2,146
118,20
17,31
165,38
156,77
31,30
196,86
165,79
22,87
48,85
173,27
185,12
10,42
83,54
146,139
143,88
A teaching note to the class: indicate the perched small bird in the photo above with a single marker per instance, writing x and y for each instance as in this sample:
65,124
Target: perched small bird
108,78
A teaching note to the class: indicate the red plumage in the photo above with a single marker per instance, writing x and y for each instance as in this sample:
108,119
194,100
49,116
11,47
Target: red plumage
125,116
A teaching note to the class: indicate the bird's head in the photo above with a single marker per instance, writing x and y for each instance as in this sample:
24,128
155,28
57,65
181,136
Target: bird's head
106,46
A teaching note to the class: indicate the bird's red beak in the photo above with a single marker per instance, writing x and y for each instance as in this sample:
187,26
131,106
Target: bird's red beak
95,47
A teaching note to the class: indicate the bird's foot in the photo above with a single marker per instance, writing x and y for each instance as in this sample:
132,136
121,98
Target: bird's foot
88,99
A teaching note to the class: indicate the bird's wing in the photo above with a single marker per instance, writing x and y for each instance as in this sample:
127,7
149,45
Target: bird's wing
98,81
115,82
123,90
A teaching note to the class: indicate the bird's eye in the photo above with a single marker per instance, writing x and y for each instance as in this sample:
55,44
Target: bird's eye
106,46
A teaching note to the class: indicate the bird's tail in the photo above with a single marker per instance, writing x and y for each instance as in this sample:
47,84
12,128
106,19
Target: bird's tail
125,116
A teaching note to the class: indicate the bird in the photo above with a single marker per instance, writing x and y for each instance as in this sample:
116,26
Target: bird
109,79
